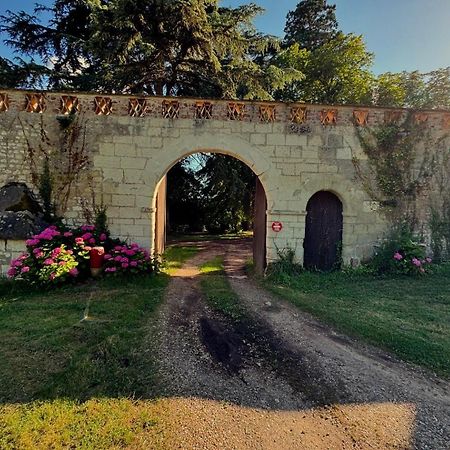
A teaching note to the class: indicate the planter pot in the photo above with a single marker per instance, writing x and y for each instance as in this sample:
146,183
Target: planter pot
96,260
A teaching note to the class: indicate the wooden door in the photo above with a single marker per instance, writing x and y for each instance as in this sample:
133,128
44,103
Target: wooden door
259,229
160,218
323,233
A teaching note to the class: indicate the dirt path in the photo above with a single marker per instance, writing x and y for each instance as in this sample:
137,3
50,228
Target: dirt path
282,380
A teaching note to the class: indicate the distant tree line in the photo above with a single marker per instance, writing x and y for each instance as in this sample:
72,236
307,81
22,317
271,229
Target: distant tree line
198,48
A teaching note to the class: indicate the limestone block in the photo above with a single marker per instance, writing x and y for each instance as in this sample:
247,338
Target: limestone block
123,200
344,153
113,174
125,149
297,140
335,141
132,163
106,149
276,139
127,212
106,162
310,153
258,138
132,175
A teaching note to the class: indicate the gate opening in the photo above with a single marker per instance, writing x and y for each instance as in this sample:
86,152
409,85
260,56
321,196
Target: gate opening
211,196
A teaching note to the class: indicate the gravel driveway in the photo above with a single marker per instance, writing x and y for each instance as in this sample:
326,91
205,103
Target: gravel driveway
283,380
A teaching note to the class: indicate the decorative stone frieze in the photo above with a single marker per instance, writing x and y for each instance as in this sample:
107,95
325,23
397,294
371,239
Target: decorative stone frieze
137,107
299,114
267,113
103,106
361,117
392,116
69,105
35,103
4,102
170,109
328,117
236,111
203,110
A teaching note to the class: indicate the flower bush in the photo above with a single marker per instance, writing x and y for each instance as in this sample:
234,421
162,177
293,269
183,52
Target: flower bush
58,255
128,259
402,253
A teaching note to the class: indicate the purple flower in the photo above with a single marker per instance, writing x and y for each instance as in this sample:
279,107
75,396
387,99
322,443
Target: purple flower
73,272
79,241
25,269
48,262
416,262
398,256
118,258
428,260
87,228
86,236
133,263
103,237
107,256
68,234
125,265
32,242
91,241
110,269
11,272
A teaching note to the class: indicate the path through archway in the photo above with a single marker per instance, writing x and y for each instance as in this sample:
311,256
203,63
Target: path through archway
257,219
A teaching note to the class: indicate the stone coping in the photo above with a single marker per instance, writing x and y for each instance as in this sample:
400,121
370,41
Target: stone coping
296,115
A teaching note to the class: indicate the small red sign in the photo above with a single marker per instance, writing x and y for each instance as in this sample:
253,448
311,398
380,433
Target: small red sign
277,226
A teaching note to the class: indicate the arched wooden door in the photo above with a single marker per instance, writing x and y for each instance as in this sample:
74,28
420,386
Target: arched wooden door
323,233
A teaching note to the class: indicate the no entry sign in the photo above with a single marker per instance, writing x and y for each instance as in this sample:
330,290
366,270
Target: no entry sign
277,226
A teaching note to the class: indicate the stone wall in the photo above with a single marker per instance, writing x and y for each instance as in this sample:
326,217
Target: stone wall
296,150
9,250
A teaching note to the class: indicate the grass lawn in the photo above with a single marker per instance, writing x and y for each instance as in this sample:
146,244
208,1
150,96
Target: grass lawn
217,290
77,368
408,316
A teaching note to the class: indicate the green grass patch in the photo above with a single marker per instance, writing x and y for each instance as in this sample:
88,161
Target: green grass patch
409,316
199,237
217,290
175,256
77,342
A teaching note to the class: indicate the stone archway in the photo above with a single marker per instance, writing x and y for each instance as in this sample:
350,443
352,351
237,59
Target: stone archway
259,217
323,232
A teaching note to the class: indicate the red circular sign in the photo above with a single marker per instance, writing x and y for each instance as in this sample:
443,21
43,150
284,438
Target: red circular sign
277,226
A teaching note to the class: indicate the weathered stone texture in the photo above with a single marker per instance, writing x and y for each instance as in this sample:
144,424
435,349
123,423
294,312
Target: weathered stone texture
130,155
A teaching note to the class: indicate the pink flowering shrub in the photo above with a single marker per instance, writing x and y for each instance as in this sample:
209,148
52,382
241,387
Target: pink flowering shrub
126,258
402,254
58,255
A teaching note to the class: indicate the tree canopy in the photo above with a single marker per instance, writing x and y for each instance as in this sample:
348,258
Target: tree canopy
311,24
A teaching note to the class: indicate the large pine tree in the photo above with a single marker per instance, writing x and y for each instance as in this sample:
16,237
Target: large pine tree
311,24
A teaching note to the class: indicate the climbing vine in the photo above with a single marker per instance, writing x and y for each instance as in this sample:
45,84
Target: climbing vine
57,161
408,174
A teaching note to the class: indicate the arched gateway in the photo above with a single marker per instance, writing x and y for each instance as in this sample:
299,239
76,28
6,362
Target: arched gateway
296,150
259,217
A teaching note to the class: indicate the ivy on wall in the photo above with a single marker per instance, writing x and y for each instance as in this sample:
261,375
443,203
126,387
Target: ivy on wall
56,162
408,173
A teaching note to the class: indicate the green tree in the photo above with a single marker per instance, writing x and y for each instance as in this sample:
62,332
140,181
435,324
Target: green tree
185,209
170,47
414,89
311,24
228,193
336,72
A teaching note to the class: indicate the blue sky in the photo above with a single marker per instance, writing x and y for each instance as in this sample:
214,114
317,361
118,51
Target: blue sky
403,34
